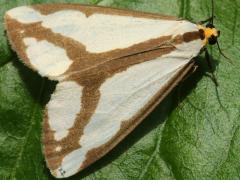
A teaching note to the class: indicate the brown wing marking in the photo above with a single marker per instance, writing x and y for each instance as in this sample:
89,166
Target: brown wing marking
89,10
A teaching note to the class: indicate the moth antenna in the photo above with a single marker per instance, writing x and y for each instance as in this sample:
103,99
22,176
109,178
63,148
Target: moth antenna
221,52
212,12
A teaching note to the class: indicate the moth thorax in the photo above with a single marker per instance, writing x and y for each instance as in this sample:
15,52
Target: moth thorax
208,34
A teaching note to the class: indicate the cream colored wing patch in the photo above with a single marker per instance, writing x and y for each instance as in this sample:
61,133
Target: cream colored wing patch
49,59
63,108
25,14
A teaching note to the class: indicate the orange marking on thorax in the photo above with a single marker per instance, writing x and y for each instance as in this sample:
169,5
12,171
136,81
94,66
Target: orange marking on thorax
208,32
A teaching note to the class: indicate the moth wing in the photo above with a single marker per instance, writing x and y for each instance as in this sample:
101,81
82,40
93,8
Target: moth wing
59,39
107,108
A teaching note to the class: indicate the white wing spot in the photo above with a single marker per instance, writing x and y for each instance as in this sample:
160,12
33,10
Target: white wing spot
49,59
63,108
58,148
25,14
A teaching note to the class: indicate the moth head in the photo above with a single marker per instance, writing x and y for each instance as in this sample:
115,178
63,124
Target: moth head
209,34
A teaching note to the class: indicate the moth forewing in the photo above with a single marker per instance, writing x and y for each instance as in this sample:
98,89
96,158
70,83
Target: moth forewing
113,67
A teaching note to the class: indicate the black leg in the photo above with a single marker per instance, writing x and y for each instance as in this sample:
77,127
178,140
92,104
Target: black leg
207,57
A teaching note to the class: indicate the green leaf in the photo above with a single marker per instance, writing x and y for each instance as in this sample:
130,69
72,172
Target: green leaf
193,134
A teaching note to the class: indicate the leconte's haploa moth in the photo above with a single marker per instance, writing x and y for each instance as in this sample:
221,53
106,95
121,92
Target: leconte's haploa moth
112,66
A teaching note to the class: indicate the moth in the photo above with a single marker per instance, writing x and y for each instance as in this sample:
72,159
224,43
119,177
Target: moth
112,66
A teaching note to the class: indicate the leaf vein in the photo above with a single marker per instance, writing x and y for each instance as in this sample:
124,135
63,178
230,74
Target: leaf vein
27,135
150,159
